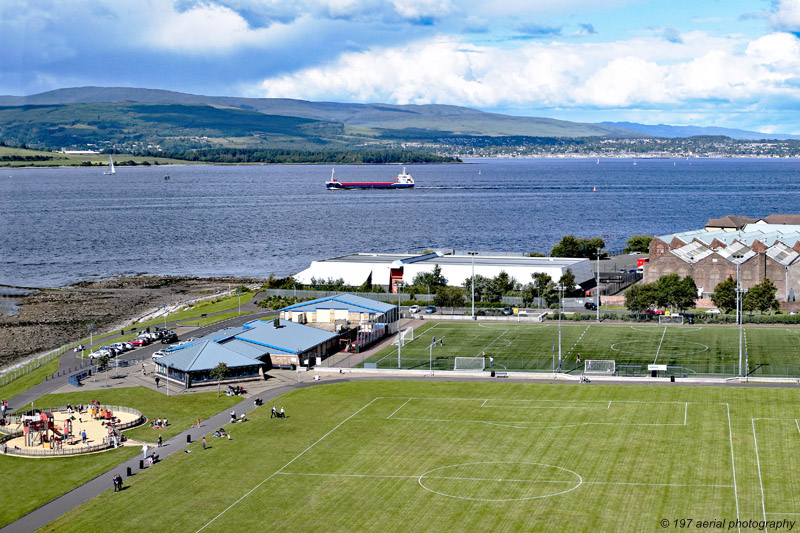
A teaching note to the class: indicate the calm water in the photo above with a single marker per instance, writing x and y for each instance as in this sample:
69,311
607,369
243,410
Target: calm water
63,225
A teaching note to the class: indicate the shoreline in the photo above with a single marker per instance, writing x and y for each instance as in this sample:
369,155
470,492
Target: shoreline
52,317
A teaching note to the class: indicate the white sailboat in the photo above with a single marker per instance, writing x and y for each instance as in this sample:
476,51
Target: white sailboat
110,167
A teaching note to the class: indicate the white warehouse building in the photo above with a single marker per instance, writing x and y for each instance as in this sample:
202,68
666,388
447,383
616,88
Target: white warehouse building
387,269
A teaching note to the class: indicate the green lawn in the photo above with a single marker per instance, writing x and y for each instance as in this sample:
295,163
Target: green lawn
445,456
770,350
23,383
29,483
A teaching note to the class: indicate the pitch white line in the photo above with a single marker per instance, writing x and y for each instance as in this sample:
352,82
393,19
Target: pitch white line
395,411
796,424
546,400
296,457
495,340
733,465
525,423
685,412
389,476
609,404
659,345
758,463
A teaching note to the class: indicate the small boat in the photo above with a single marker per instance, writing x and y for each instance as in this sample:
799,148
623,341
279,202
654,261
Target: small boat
111,169
166,177
402,181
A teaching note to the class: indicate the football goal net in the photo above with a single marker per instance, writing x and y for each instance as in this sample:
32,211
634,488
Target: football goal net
670,319
600,366
474,364
406,336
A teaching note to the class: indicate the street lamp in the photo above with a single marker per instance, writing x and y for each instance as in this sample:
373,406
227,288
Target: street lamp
239,294
738,314
166,381
165,315
473,254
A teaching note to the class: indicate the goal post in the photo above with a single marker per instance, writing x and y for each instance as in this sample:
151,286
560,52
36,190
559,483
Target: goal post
406,336
670,319
470,364
600,366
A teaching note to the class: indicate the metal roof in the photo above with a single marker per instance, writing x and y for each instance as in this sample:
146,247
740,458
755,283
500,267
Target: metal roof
290,337
692,252
205,356
737,252
351,302
782,254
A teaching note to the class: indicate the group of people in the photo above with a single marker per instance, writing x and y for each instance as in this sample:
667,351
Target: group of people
276,414
117,483
158,423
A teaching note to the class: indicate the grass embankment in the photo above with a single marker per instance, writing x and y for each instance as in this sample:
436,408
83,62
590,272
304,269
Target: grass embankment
23,383
29,483
444,456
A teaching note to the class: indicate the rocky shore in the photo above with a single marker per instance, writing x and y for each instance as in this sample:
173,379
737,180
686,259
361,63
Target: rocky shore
50,318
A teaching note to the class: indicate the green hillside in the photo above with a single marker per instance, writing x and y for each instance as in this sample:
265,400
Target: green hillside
446,119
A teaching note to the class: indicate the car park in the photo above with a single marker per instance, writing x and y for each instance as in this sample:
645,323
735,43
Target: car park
413,309
140,341
430,309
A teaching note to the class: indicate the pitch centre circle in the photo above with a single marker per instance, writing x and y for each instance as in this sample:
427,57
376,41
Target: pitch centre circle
494,481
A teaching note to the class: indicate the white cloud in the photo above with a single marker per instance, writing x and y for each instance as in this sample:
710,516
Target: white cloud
636,73
786,15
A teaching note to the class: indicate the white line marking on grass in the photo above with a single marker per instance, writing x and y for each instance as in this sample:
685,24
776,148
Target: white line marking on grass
796,424
792,514
609,404
685,412
733,465
495,340
525,424
395,411
659,345
579,339
296,457
655,484
758,462
346,475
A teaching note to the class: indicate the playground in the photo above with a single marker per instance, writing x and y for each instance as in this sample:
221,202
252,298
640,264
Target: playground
70,430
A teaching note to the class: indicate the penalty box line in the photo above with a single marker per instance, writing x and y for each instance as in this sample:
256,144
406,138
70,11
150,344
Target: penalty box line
295,458
758,463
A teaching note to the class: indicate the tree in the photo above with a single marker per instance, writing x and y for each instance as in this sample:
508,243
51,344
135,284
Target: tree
567,282
449,297
640,298
761,297
433,279
724,295
676,293
571,246
482,287
220,372
638,243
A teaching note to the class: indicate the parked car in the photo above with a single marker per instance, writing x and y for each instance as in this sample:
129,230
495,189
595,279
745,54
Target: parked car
591,306
508,311
169,337
430,309
654,312
713,311
159,354
140,341
413,309
98,354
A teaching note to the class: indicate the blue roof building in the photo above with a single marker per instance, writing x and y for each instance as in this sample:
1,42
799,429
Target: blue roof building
248,351
341,308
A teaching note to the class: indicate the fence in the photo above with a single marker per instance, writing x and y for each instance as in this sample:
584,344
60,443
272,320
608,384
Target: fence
17,373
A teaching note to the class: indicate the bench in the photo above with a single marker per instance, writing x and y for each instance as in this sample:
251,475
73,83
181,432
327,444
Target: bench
501,374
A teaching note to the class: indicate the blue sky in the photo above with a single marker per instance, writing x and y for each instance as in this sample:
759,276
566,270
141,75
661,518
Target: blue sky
723,63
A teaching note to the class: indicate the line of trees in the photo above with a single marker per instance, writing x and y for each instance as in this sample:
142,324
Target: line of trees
759,297
668,292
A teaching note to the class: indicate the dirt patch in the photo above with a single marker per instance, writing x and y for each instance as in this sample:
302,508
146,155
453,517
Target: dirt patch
54,317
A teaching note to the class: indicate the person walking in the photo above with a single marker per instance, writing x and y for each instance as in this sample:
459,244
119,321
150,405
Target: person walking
283,414
144,451
274,412
159,441
204,443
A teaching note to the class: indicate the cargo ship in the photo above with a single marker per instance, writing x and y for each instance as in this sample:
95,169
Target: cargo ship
402,181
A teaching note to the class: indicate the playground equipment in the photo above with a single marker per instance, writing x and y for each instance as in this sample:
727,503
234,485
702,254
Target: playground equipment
39,429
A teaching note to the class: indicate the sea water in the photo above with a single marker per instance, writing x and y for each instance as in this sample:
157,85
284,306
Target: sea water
59,226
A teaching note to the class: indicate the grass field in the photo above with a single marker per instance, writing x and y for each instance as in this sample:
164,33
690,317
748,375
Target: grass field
444,456
29,483
770,350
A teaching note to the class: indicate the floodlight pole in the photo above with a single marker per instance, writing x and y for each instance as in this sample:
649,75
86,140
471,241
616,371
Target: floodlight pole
738,315
430,358
239,294
473,254
399,286
598,286
165,315
560,305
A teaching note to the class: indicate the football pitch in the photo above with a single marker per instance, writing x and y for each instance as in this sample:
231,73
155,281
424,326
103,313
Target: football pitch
475,456
686,349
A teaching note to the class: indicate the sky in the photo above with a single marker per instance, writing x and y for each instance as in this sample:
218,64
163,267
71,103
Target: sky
727,63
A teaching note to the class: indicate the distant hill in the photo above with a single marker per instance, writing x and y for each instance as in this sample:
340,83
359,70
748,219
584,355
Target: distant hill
362,118
663,130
